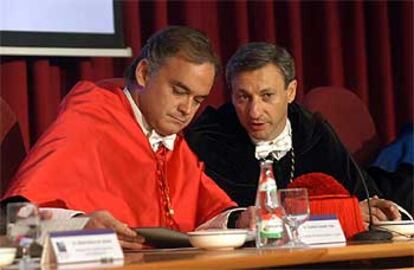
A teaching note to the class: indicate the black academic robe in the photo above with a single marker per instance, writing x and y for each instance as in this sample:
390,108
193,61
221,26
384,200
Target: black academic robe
229,155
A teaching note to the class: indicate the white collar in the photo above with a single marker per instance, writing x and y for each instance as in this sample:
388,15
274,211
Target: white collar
278,147
153,137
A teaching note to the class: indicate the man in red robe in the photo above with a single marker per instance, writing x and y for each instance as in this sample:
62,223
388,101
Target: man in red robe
121,150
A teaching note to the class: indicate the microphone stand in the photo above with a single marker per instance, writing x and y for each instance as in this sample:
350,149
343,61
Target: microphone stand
372,234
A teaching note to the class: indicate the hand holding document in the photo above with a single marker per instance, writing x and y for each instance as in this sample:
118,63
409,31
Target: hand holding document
127,237
401,229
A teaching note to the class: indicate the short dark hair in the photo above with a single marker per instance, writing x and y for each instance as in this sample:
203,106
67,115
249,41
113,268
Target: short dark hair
193,44
255,55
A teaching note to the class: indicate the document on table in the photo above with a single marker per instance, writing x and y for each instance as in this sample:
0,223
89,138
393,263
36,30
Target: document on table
401,229
58,225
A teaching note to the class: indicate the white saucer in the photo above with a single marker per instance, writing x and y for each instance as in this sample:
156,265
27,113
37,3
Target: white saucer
7,255
218,239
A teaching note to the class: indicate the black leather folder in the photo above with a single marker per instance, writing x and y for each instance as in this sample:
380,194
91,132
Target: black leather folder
159,237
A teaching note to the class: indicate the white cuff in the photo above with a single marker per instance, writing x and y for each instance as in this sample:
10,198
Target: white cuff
61,213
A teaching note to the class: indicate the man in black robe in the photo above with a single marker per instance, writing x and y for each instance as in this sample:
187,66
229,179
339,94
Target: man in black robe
264,120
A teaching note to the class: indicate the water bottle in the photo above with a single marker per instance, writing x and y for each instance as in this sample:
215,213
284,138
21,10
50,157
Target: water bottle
270,227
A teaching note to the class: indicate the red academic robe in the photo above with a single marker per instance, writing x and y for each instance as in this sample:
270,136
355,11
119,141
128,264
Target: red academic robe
95,156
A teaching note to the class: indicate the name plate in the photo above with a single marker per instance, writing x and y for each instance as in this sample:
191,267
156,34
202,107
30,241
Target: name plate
82,246
322,230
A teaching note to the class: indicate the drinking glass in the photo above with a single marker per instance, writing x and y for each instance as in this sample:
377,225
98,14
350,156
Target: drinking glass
296,204
23,227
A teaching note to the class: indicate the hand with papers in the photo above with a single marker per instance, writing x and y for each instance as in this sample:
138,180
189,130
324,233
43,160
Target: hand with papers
382,210
104,220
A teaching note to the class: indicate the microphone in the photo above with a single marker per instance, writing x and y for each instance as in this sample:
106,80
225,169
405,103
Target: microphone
372,234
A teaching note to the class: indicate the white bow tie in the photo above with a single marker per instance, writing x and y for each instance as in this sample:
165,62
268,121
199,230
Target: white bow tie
155,139
278,147
277,150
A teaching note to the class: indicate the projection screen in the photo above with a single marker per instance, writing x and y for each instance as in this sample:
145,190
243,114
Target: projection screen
62,28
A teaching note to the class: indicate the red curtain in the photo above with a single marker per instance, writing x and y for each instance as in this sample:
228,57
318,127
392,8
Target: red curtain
365,46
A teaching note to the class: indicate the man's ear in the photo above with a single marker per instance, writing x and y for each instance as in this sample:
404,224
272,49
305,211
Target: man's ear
142,72
291,91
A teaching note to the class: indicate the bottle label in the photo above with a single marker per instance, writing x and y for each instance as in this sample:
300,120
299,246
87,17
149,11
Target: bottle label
268,186
272,228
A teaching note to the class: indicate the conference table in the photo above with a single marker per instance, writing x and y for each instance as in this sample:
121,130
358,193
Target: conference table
394,255
386,255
